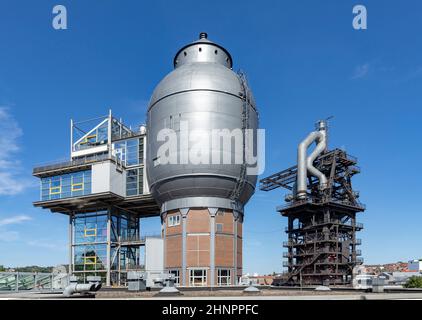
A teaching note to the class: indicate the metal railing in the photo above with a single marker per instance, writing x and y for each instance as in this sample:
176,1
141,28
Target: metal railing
72,163
17,281
137,237
312,225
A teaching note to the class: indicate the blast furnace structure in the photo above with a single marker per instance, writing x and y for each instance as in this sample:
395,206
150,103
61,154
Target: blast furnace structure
321,212
201,204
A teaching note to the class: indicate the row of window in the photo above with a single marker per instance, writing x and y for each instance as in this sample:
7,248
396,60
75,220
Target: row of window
198,277
79,184
68,185
174,220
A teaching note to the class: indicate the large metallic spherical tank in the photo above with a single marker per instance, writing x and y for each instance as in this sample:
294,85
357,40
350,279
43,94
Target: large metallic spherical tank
204,91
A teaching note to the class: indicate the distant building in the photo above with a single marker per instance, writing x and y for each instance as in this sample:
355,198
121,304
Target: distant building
415,265
256,279
389,267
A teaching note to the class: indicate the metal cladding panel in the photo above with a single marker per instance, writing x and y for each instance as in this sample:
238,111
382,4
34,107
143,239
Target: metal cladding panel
197,76
207,96
154,254
105,178
101,177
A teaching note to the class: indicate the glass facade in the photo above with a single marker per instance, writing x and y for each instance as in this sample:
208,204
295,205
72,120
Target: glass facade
90,244
135,182
68,185
95,137
130,152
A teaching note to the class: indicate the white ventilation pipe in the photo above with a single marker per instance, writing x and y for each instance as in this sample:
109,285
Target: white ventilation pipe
78,288
305,164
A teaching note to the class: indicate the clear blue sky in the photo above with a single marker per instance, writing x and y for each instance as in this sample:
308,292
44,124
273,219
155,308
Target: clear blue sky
304,62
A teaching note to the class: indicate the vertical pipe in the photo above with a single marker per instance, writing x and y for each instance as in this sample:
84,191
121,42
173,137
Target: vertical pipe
301,170
164,224
235,219
184,213
213,212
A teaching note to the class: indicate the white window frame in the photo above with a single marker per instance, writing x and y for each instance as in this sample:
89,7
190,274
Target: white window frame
176,273
173,220
220,277
216,227
203,277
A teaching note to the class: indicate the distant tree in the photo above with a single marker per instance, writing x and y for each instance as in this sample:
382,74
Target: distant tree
2,268
414,282
35,269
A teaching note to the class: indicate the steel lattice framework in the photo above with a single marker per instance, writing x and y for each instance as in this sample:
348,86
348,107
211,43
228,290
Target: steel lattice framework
322,244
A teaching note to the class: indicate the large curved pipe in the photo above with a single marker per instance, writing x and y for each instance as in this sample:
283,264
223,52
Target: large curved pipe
305,164
321,146
79,288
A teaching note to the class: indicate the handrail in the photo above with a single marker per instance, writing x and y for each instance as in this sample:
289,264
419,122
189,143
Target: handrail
71,163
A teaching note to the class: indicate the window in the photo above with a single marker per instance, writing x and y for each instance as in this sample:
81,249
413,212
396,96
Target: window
97,136
130,152
77,182
198,277
173,220
224,277
219,227
141,150
176,274
90,232
135,182
90,260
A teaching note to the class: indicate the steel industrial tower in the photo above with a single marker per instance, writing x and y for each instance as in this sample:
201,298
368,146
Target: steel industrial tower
322,244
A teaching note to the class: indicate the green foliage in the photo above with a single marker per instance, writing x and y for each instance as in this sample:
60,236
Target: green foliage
414,282
35,269
28,269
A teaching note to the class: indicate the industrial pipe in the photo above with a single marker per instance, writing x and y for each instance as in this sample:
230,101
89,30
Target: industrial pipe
79,288
305,164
